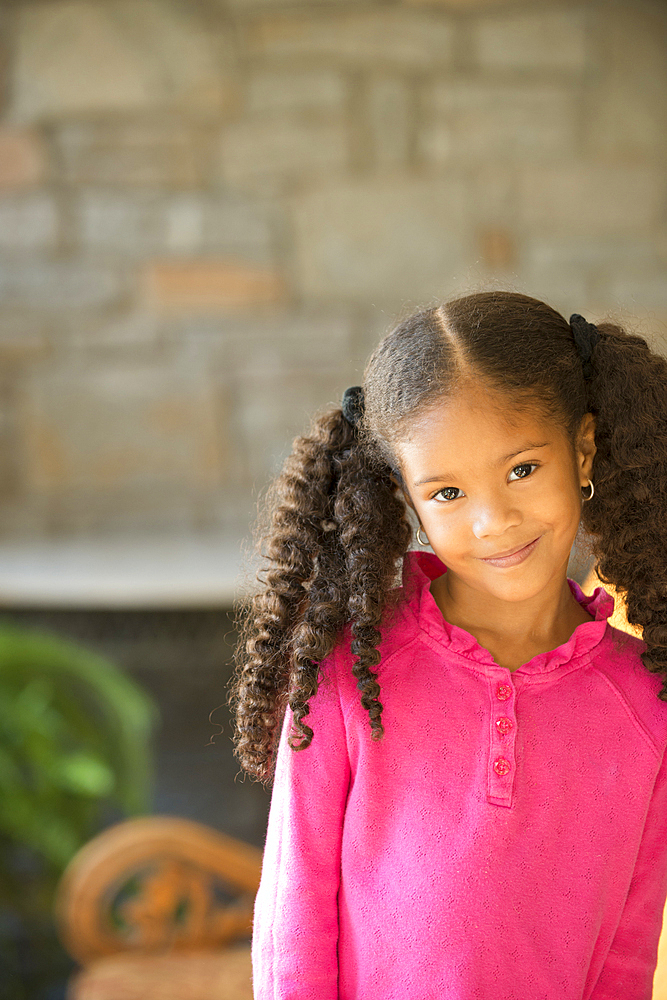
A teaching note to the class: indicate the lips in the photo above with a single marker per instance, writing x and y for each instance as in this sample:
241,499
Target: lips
514,556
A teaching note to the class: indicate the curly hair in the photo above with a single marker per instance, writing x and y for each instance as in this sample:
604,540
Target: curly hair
338,522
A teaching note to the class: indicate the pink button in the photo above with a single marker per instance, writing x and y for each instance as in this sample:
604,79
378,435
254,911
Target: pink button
503,692
503,725
501,766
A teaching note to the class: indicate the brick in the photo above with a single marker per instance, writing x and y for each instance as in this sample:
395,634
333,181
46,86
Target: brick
591,199
210,285
23,338
537,40
390,118
320,90
115,222
28,222
573,274
6,21
626,111
639,289
276,149
150,153
270,413
305,340
499,120
133,334
497,247
460,5
492,194
277,369
223,224
49,284
22,158
115,430
393,36
381,240
560,272
242,5
184,218
76,56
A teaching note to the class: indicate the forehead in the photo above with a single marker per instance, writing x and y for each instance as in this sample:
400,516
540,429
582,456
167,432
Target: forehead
475,425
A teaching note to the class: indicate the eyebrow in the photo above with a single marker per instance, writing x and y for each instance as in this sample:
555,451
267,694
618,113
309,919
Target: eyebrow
448,476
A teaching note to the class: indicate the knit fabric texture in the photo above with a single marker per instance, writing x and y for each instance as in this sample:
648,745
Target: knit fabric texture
506,838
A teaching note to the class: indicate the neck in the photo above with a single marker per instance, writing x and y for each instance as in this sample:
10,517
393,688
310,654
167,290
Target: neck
519,629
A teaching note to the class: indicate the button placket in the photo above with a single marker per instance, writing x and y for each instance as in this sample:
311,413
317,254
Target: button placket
502,732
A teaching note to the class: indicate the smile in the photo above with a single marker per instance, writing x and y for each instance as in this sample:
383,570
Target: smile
513,558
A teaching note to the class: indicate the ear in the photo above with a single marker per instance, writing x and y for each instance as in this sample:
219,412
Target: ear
585,447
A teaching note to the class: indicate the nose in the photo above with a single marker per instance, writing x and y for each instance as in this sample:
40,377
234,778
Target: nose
494,515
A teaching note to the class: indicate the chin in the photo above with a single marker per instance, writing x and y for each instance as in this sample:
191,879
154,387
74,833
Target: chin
515,591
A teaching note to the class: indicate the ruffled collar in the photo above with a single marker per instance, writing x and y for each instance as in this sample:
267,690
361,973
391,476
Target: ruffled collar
420,568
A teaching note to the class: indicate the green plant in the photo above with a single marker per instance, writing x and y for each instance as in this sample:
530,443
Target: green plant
74,742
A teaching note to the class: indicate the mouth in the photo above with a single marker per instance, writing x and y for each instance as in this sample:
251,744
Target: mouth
513,557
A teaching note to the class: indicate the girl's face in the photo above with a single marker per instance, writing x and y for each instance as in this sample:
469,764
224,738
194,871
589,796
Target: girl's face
500,500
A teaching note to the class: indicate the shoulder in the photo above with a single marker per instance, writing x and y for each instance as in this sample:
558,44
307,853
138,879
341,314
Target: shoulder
398,634
618,661
400,629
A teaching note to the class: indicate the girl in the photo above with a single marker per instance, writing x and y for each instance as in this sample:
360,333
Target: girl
470,787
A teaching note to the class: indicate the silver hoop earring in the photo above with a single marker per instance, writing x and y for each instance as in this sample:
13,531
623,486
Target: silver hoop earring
586,497
419,537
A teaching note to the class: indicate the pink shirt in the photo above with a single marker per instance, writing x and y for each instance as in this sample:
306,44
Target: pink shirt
506,840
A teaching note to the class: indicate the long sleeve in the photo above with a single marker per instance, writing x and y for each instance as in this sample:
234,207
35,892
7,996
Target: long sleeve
628,970
295,935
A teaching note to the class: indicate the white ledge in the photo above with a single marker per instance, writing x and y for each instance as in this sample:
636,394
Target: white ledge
182,572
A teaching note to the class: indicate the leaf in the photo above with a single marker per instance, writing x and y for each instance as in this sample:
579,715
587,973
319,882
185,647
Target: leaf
84,774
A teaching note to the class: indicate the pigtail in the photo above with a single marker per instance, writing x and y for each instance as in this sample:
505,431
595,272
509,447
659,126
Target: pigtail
627,516
336,528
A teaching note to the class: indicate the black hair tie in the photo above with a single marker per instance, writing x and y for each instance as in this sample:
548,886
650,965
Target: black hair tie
353,404
586,336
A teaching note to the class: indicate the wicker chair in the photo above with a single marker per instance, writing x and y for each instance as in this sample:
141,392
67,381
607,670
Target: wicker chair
160,906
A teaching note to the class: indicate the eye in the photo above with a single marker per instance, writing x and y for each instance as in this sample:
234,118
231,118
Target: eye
522,471
448,493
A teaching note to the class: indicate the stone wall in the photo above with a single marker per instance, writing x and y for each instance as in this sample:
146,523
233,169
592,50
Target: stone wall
211,209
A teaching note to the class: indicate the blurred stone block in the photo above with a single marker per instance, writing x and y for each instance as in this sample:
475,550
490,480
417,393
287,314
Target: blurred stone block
23,338
464,5
221,223
118,222
28,222
645,288
112,428
306,340
627,102
273,148
540,39
389,104
592,199
386,35
155,152
271,412
383,240
497,119
572,274
58,284
271,90
80,56
497,247
132,335
205,285
22,158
